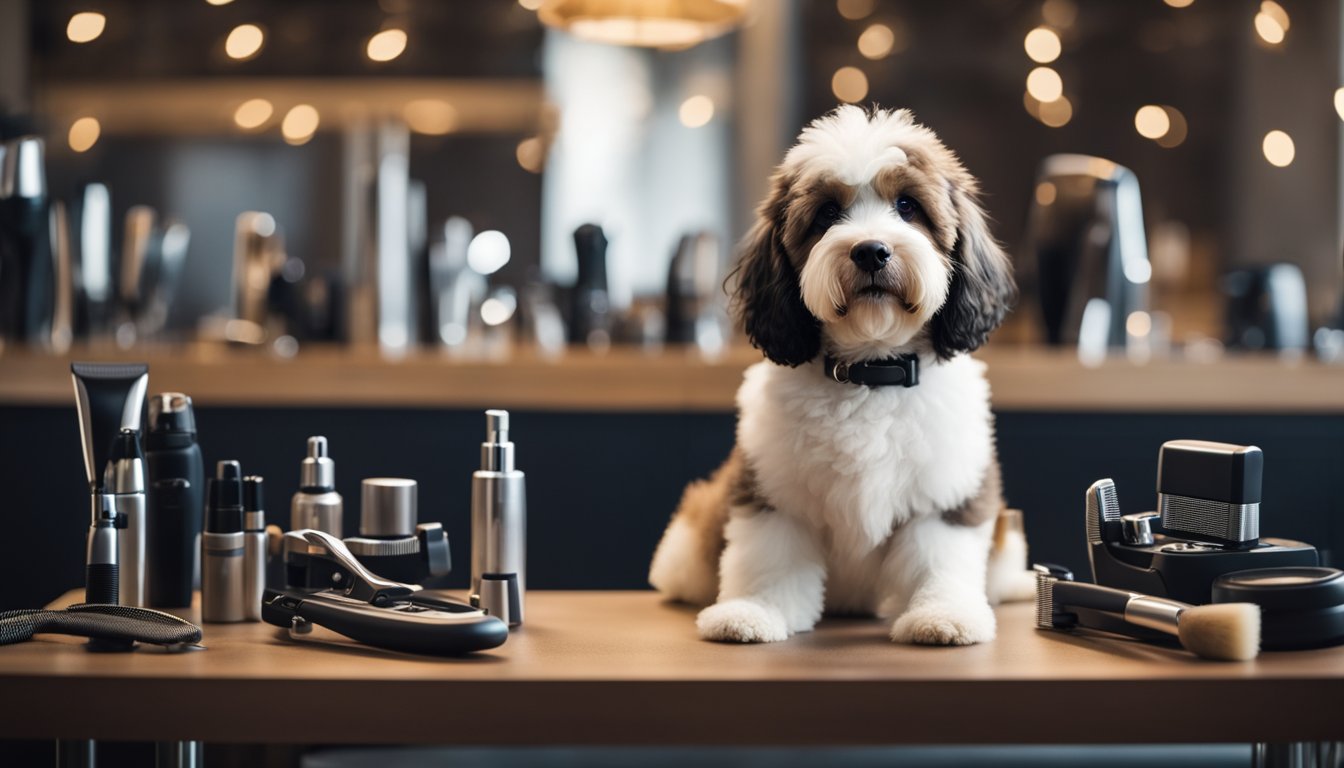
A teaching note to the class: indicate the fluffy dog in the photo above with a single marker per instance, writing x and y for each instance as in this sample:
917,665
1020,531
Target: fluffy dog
840,496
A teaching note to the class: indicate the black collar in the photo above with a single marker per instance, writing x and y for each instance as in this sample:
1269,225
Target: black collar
893,371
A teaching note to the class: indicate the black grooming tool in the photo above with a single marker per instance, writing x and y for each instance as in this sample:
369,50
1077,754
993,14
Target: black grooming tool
382,613
1208,525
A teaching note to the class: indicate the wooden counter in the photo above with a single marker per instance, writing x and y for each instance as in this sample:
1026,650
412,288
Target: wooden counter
624,668
1022,378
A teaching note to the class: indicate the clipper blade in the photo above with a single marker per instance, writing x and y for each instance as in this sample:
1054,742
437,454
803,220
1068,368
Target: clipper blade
1045,600
1103,511
1047,575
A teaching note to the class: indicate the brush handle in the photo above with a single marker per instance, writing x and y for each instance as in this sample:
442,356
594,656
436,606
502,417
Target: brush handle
1079,595
1134,608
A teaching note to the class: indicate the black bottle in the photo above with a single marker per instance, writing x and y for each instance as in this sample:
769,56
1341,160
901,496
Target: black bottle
176,499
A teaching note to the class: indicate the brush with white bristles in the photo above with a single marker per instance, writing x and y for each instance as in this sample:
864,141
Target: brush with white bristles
1225,631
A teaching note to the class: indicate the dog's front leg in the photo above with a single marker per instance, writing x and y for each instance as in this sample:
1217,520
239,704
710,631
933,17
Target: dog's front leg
771,577
939,568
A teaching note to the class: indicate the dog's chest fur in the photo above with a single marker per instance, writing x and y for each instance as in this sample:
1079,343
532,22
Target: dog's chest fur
858,461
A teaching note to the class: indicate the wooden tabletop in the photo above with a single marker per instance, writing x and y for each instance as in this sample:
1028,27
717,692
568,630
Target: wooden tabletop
1022,378
624,668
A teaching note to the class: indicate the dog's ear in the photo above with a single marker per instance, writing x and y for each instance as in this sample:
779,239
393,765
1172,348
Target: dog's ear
982,289
768,297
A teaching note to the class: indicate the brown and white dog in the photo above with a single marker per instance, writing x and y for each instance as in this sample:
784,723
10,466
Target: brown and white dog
841,497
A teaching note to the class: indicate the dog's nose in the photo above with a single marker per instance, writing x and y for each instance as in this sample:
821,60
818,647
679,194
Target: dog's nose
870,255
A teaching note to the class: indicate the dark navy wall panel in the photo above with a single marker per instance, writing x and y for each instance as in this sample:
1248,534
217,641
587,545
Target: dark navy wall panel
601,486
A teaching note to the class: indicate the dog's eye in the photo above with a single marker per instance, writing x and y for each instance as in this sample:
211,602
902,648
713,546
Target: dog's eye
906,207
827,215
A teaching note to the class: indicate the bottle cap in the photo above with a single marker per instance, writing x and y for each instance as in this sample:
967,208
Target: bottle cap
171,412
318,472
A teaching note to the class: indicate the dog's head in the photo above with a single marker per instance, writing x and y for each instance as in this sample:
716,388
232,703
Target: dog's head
871,242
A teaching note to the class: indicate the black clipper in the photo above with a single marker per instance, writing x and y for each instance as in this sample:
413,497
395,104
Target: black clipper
379,612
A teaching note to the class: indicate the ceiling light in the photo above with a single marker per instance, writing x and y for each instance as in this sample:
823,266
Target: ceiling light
648,23
1179,3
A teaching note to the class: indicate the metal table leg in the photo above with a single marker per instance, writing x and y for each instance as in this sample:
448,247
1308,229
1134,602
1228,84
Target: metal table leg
75,753
1298,754
179,754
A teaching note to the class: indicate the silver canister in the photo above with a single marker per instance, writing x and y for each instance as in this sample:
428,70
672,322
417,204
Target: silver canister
254,547
222,578
317,505
498,522
223,572
387,507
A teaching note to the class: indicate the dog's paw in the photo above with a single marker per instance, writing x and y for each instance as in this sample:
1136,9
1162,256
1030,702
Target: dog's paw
945,625
742,621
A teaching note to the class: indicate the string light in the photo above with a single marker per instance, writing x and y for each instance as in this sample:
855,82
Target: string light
1057,113
849,84
85,27
1151,122
300,124
253,113
877,41
1272,22
1278,148
1177,131
387,45
84,133
854,9
1042,45
244,41
531,154
432,117
1044,84
1276,12
1046,193
1059,14
696,111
